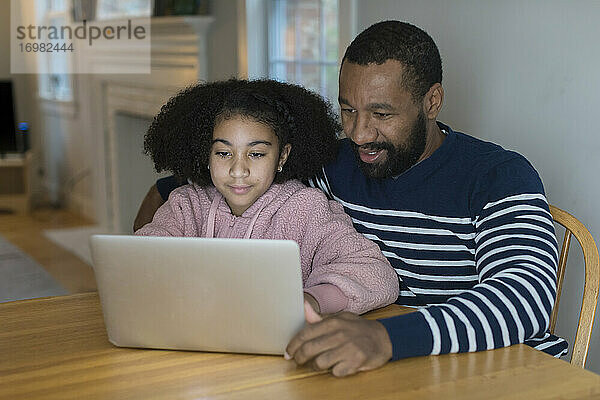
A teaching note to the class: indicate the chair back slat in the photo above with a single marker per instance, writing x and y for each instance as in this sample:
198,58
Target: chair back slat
591,286
560,276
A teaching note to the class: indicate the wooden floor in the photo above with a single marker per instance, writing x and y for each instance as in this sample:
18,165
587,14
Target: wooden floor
26,232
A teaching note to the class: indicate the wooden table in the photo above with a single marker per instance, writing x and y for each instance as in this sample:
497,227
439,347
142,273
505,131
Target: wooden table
56,348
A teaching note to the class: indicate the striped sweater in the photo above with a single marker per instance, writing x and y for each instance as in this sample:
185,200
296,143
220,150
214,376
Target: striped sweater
470,236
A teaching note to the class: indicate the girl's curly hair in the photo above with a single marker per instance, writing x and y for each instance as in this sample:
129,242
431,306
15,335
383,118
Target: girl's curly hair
180,137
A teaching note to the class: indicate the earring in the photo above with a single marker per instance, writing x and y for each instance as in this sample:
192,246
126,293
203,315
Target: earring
279,169
208,167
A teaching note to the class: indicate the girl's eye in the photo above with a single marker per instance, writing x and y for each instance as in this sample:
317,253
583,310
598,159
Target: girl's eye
222,154
256,155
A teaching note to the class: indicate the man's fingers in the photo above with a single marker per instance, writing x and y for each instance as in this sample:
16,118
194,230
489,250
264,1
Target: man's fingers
310,332
307,333
316,347
340,354
344,343
344,368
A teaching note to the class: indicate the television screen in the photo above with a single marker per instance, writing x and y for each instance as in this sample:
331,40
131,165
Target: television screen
8,138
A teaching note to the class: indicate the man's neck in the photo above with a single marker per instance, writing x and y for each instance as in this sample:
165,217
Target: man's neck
435,138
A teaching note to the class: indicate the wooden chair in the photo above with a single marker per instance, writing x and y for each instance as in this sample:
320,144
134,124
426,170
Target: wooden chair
592,281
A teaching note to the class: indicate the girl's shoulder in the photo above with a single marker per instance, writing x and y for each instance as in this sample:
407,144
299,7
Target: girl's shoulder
297,191
306,199
192,193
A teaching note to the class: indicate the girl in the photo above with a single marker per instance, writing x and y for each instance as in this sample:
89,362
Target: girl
243,146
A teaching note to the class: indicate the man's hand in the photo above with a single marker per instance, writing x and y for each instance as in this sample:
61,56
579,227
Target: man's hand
343,342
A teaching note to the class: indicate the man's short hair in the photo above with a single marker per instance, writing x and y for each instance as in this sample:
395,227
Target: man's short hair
403,42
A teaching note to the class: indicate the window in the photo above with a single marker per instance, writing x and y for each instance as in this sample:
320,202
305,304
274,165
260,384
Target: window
54,79
303,44
112,9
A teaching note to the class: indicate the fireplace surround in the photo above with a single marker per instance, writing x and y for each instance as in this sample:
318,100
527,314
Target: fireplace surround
178,59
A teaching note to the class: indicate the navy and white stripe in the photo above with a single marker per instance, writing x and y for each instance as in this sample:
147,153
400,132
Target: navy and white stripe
469,233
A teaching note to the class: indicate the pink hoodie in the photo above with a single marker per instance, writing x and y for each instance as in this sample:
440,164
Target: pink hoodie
341,269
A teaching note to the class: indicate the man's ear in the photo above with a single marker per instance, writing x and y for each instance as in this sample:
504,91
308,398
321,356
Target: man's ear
283,156
433,100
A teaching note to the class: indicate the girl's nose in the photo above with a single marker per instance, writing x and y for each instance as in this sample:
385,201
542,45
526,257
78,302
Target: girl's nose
239,169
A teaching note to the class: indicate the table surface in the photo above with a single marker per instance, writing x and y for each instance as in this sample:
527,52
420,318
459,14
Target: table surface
57,348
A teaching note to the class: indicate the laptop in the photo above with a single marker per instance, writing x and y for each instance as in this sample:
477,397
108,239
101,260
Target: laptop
221,295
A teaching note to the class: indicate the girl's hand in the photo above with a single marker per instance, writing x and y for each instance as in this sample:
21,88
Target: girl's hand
312,302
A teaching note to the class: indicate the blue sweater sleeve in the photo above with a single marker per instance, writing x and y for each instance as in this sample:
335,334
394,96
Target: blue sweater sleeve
516,258
166,185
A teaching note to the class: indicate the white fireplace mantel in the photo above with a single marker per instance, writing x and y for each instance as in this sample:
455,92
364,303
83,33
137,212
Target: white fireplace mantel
177,44
173,24
178,59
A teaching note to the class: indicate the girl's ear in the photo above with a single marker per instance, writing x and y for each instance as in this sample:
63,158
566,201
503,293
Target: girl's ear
283,156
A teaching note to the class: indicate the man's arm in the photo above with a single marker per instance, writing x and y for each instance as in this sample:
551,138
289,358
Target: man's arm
156,197
516,259
150,204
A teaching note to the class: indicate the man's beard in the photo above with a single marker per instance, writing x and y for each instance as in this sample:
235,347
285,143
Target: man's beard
400,158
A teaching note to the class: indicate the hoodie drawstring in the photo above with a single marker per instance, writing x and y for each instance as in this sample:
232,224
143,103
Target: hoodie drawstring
212,216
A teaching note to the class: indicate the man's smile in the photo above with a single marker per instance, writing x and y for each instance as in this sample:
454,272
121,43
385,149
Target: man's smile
368,155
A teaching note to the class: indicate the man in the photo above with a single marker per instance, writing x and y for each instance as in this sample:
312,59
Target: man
464,222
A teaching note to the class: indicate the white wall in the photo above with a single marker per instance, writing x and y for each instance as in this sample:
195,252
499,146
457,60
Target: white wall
223,42
524,75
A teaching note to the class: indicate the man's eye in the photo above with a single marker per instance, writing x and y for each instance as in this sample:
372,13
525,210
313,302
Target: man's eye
382,115
348,110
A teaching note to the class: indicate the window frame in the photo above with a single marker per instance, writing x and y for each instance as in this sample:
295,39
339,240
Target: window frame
276,60
253,19
52,101
121,14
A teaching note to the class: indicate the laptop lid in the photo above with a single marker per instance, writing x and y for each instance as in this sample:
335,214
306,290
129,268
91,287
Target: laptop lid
226,295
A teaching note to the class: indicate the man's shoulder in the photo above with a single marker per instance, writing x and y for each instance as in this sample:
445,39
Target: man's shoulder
489,163
493,173
477,157
474,151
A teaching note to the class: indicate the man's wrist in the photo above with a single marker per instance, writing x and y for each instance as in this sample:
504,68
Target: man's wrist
409,334
387,350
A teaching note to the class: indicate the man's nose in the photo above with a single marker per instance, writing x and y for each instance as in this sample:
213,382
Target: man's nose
362,131
239,168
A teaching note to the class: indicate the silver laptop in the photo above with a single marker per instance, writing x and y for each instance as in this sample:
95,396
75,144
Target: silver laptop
225,295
